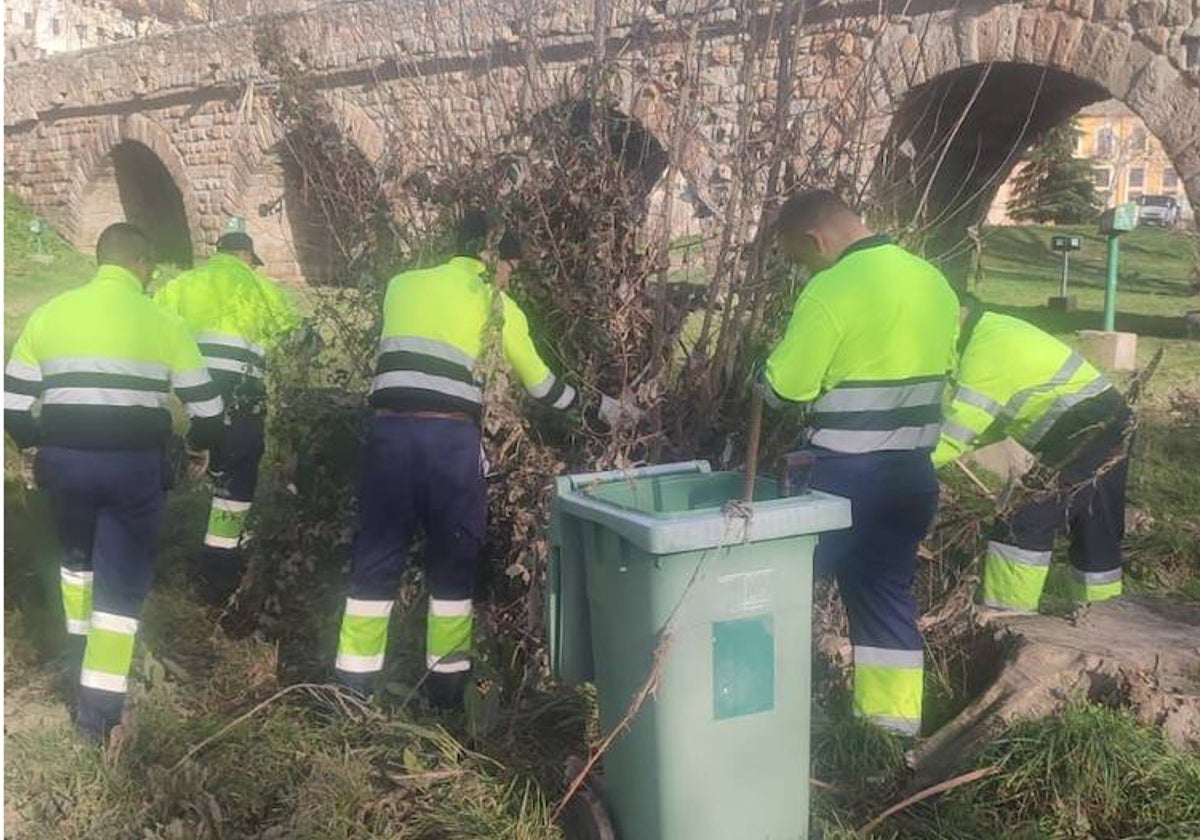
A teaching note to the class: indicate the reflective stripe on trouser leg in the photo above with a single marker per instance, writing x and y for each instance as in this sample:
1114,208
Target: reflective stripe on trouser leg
1088,587
448,636
1013,577
226,521
77,599
889,686
109,652
363,639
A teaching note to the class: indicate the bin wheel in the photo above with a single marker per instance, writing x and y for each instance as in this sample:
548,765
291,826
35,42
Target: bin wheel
586,816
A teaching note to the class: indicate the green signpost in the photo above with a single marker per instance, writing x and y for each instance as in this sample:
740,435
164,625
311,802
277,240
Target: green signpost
1113,222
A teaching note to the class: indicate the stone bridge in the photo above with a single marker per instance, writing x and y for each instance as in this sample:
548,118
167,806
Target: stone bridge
173,132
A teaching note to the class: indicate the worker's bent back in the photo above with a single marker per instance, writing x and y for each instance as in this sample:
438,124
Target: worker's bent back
434,322
869,346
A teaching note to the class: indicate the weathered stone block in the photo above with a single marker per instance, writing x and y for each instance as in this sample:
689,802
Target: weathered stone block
1112,351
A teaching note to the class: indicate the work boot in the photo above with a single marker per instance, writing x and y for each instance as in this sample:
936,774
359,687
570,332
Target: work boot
98,713
361,686
217,573
445,691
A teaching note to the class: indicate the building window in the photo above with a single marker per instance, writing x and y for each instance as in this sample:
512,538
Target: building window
1170,179
81,31
1137,178
1105,141
1138,140
1103,178
29,20
56,26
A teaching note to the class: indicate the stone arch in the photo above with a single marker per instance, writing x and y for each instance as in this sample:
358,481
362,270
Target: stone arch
132,170
267,189
972,90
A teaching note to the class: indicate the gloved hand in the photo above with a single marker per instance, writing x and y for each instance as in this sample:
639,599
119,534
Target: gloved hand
197,464
618,413
28,468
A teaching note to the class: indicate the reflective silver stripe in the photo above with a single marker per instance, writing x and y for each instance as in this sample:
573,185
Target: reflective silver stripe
426,347
903,726
114,683
89,364
358,664
1014,554
1008,608
190,378
206,408
880,397
234,366
889,657
229,505
428,382
449,609
1060,407
213,541
971,397
368,609
870,440
958,432
1061,377
18,402
128,397
71,577
1096,578
78,626
20,370
230,341
542,388
114,623
453,663
568,397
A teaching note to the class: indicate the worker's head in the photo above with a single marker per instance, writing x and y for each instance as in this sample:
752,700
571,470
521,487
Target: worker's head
476,238
239,245
816,226
471,238
125,245
508,254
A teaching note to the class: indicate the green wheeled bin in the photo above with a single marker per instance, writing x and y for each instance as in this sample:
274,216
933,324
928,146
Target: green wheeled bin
658,559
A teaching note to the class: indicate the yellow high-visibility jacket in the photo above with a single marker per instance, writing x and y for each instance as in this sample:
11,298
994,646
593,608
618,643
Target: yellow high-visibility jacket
102,359
1013,380
236,316
869,345
433,328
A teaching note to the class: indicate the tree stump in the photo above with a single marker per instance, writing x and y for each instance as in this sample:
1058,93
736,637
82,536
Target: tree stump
1142,653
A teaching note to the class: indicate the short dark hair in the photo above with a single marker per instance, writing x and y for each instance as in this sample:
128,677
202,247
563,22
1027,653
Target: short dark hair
809,209
123,244
472,234
509,247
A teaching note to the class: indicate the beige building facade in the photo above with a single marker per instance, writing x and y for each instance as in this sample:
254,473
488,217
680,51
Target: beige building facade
1128,161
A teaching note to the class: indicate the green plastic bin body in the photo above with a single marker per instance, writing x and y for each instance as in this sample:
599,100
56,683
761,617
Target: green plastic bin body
721,749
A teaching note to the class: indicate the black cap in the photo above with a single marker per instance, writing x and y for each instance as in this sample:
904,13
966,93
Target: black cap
238,241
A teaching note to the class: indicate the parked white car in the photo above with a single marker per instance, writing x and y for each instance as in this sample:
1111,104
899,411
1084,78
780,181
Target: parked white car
1160,210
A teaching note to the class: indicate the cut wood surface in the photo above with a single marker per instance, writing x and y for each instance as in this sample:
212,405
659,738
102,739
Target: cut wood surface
1139,652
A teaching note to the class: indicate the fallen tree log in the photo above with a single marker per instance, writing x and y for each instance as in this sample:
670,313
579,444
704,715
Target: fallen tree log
1142,653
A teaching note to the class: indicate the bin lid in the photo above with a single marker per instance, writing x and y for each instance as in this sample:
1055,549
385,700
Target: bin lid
671,513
